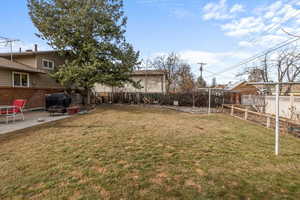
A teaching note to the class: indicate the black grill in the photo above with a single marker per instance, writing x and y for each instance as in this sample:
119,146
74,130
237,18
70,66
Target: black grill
58,100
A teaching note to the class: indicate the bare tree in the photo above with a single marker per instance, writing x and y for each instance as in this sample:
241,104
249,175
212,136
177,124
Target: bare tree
286,65
185,80
201,83
170,64
264,72
258,72
291,64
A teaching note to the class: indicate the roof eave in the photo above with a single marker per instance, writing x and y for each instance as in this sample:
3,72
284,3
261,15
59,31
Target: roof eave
23,70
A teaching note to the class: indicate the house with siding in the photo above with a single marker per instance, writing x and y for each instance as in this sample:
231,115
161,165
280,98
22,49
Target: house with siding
26,75
151,81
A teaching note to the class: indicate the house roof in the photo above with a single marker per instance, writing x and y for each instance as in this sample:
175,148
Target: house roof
220,86
7,64
149,72
234,85
26,53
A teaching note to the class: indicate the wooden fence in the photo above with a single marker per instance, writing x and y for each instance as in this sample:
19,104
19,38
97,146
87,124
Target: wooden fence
197,99
267,120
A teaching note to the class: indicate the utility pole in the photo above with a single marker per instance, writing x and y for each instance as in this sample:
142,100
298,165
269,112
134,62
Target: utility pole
201,69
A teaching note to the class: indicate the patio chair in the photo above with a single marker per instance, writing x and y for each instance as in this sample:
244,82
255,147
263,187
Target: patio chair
18,106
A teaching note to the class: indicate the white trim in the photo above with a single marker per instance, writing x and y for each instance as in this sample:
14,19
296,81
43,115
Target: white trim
20,86
50,61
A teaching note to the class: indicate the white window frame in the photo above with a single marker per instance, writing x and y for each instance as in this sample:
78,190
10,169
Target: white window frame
20,73
50,61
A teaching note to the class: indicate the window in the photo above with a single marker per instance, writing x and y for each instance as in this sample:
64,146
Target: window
49,64
20,79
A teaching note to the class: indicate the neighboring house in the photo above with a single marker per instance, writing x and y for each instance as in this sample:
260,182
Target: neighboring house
220,86
240,88
26,75
151,81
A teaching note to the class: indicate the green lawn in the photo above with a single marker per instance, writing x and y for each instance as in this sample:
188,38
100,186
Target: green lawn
147,153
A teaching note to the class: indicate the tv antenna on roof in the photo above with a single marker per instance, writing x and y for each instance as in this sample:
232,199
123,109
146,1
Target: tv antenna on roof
8,42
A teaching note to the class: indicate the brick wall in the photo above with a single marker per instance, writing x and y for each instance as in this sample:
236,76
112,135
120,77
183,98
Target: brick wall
35,97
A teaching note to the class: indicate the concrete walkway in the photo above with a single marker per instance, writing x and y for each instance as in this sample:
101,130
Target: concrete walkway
195,110
33,118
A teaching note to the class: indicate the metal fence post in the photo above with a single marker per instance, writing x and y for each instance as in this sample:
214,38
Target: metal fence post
209,100
268,122
246,114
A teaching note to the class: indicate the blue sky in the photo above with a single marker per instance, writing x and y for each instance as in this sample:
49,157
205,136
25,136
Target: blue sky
212,31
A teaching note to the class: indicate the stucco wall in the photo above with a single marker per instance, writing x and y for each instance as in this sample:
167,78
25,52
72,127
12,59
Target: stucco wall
285,104
150,84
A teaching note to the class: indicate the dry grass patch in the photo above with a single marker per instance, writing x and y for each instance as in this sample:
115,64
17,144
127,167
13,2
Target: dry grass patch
144,153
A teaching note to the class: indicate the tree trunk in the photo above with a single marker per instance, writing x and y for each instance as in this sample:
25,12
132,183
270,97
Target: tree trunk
88,97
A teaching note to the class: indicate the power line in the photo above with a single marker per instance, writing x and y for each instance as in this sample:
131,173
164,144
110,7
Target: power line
255,39
278,25
210,72
290,34
278,46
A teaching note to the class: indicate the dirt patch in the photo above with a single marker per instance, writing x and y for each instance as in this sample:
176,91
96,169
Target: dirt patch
191,183
200,172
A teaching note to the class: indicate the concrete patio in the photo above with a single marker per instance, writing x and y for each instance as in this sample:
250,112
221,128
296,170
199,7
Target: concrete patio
32,118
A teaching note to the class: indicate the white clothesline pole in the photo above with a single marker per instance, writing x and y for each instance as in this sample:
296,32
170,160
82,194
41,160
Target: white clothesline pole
277,130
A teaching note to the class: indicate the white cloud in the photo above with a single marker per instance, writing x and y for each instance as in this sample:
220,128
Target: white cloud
175,8
255,31
261,23
237,8
221,11
216,59
243,26
216,62
265,41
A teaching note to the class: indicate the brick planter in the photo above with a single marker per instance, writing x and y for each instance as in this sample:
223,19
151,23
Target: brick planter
73,110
